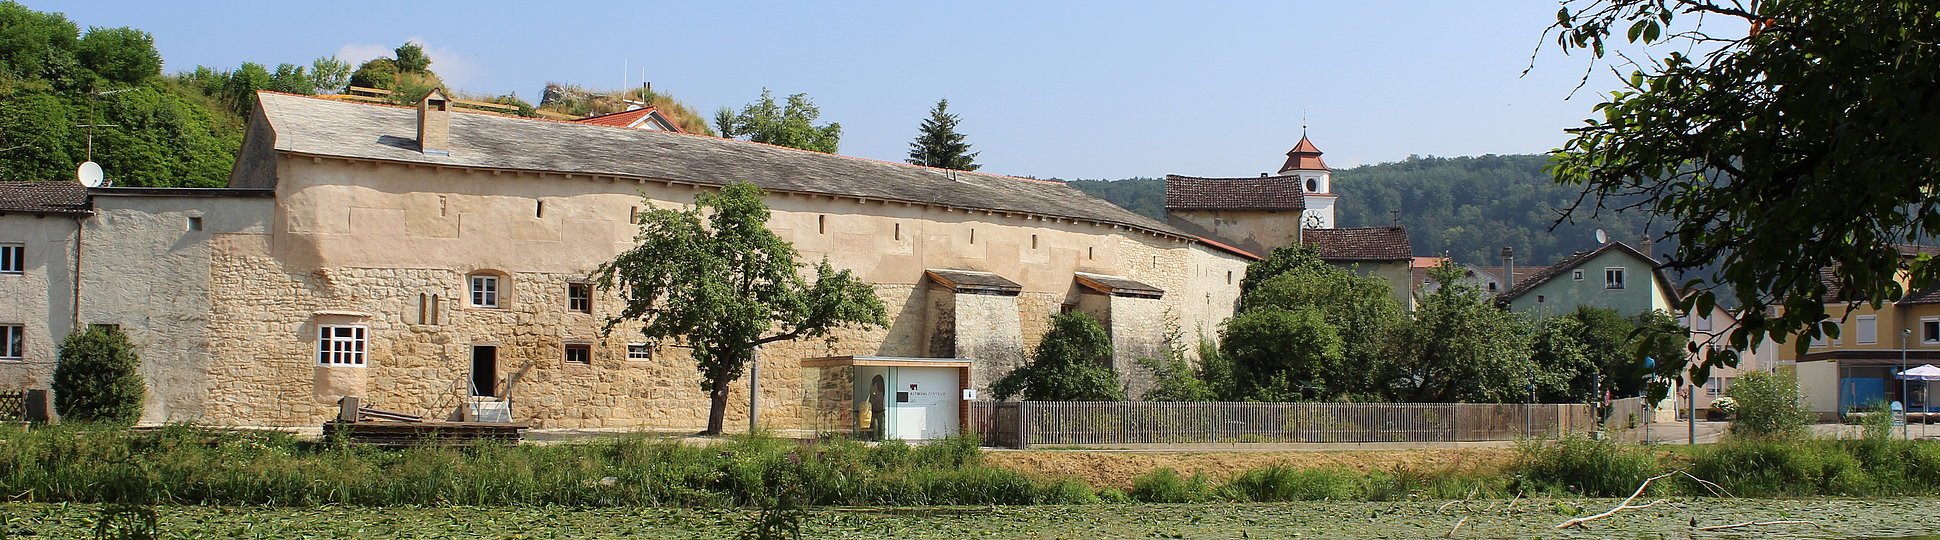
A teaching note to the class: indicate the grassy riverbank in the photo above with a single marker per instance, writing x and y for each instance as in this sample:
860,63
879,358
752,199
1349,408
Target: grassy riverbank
181,465
1526,518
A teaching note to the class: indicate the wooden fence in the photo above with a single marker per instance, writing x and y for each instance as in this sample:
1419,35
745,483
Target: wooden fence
1031,423
1626,413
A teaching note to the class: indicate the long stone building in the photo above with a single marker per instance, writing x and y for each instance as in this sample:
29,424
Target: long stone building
417,258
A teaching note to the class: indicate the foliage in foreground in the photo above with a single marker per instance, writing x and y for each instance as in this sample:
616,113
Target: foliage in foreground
1071,363
1767,405
181,465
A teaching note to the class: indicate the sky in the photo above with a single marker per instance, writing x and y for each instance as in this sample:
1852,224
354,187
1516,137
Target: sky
1046,89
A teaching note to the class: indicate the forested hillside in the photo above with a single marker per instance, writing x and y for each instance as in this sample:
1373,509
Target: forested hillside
1467,207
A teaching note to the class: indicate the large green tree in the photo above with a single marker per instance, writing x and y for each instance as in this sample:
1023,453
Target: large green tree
1282,354
1779,139
1361,310
1071,363
1460,347
714,278
939,145
791,125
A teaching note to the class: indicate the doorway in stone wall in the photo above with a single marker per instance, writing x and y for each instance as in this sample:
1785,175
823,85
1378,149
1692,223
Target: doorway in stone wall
484,370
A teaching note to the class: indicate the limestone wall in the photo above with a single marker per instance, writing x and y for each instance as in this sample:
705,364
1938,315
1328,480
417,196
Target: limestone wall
40,299
147,269
1258,231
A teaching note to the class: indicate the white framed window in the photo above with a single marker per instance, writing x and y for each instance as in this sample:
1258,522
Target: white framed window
1576,275
13,258
341,345
1613,278
1703,323
639,351
1930,330
13,342
484,290
1711,387
1866,330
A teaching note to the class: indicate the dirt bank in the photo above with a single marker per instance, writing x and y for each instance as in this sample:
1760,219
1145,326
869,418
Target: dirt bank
1117,469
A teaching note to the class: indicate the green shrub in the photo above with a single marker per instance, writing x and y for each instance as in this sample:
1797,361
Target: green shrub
1165,485
1773,467
1767,406
96,379
1278,483
1582,466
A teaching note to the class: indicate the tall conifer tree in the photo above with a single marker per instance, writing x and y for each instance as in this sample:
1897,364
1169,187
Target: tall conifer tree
939,144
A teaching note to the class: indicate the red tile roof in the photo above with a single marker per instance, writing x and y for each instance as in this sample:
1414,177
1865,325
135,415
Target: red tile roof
1360,243
50,197
1304,157
1263,193
625,118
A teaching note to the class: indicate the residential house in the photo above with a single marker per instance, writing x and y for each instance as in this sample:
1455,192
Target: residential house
1615,276
1856,368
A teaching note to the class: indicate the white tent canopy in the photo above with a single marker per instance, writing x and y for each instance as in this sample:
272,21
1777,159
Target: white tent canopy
1923,373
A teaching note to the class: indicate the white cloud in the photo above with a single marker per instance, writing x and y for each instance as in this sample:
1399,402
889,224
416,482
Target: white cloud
454,68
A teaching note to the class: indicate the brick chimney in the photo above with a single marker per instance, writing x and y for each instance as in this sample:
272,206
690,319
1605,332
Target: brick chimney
434,124
1508,268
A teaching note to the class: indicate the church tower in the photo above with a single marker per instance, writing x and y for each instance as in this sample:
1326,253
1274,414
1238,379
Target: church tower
1303,162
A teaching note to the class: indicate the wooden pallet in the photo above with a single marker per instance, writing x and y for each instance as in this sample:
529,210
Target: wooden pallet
398,434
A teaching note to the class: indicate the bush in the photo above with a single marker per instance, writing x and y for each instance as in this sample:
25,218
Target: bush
96,379
1280,483
1775,467
1767,406
1165,485
1582,466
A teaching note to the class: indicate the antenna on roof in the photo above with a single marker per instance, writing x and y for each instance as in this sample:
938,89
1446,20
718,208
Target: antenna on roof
89,174
1303,123
1601,237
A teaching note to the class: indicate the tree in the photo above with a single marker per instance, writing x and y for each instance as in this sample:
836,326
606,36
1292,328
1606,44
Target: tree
378,73
1768,405
1742,145
1071,363
714,277
291,78
1659,337
792,125
1281,260
37,45
1362,311
939,145
328,74
1280,354
1460,347
411,58
121,56
240,91
96,379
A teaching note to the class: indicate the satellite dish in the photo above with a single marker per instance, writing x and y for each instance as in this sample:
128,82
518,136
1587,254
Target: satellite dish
90,174
1602,238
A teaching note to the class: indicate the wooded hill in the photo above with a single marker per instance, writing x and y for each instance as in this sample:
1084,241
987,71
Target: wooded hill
1466,207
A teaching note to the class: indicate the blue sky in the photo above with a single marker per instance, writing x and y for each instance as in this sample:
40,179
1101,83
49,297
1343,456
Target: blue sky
1068,90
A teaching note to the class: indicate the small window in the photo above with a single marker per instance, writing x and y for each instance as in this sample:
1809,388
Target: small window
1613,278
424,307
485,291
437,301
633,215
899,231
1576,275
821,224
540,210
1229,277
1313,185
1539,299
13,258
195,223
1866,330
444,206
1704,324
579,297
1033,241
639,351
1491,286
13,342
1711,387
973,236
1930,330
1091,253
579,353
341,345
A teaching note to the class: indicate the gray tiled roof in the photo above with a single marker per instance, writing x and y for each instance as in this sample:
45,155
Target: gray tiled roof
323,127
51,197
1118,286
973,281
